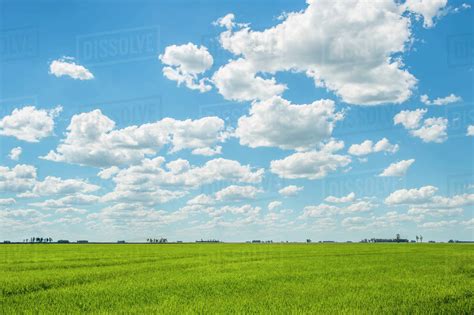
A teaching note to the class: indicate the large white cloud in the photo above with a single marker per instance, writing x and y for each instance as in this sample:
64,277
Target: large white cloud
234,192
185,63
67,67
29,124
93,140
398,168
347,47
311,164
278,123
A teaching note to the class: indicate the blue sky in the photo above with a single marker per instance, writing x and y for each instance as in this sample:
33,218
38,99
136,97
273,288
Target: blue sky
278,123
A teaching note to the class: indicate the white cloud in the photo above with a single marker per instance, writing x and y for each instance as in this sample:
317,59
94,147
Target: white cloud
202,199
18,179
311,164
357,34
29,124
321,210
411,196
152,182
398,168
426,198
438,224
238,81
409,119
433,130
470,130
185,63
54,185
278,123
440,100
349,198
428,9
107,173
290,190
368,147
273,205
234,192
68,201
15,153
92,139
67,67
7,201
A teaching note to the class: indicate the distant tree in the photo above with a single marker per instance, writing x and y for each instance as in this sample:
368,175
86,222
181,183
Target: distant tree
417,238
421,239
398,238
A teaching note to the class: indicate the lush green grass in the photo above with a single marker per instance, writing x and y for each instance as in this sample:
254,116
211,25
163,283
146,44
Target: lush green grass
237,278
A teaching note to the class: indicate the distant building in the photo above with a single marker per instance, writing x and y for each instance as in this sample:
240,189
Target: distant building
120,242
308,240
256,241
63,241
82,241
6,242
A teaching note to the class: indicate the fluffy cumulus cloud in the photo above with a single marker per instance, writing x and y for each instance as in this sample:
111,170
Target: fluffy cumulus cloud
234,192
428,9
409,119
15,153
54,185
398,168
425,199
185,63
278,123
17,179
431,130
29,124
92,139
350,207
411,196
314,164
359,35
368,147
153,181
67,67
273,205
349,198
237,81
440,100
470,130
290,190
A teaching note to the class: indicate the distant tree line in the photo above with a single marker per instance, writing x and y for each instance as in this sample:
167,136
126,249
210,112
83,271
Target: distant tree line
38,240
160,240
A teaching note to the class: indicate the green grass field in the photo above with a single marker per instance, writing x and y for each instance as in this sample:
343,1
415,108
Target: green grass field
237,278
